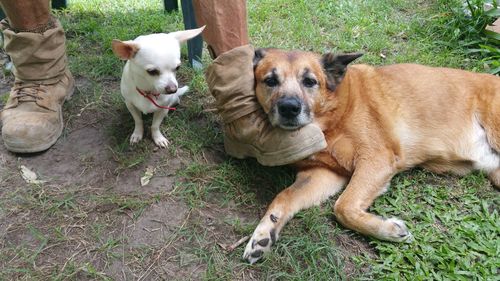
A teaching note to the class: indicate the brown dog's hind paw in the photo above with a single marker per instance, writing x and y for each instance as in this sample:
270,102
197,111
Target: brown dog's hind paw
395,230
495,178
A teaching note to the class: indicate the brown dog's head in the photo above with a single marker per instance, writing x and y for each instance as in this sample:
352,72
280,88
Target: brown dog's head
287,83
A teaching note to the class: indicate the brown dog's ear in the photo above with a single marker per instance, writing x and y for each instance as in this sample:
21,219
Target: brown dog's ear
124,50
259,54
335,67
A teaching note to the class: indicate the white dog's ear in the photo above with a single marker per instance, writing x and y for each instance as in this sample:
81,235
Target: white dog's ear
124,50
184,35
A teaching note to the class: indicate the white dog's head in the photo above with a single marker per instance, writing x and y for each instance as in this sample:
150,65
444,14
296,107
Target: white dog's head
153,59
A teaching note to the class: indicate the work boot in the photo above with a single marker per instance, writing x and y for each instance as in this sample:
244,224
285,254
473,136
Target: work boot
247,130
32,117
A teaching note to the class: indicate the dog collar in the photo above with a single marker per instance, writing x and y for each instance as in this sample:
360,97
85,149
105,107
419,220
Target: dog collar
148,96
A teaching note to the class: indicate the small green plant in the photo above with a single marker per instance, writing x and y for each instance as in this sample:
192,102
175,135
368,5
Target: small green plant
468,28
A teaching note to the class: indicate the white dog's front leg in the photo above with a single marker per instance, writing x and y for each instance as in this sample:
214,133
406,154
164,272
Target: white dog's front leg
158,137
139,129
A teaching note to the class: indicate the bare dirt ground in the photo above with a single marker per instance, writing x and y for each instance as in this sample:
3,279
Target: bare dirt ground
95,204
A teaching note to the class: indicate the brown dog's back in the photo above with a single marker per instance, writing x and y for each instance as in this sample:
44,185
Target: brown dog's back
436,117
451,113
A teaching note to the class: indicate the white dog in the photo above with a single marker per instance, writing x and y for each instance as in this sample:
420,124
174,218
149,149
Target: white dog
148,81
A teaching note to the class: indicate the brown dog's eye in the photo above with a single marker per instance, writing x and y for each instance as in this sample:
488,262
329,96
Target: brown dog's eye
271,81
309,82
153,72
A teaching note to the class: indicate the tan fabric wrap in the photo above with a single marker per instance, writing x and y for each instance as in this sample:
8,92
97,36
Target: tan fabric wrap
38,57
230,79
226,22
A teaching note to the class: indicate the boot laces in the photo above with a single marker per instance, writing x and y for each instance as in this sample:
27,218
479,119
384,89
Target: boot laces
26,92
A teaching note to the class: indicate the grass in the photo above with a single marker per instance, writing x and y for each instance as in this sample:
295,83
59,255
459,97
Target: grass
457,225
81,229
468,29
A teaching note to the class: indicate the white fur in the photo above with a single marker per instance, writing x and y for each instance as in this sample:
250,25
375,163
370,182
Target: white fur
481,151
162,53
472,145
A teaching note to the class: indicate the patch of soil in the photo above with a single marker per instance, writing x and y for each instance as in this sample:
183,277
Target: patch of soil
157,224
214,155
129,181
80,167
156,230
218,225
118,270
79,158
351,244
3,226
187,268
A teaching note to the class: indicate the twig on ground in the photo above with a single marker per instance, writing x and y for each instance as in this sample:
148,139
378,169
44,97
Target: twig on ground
230,248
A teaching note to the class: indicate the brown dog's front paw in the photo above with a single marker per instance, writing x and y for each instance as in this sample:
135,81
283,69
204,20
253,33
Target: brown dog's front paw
259,244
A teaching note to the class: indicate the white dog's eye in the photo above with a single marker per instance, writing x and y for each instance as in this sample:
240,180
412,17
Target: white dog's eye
153,71
177,68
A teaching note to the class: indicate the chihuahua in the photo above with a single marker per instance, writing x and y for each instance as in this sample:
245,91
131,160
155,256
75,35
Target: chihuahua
148,82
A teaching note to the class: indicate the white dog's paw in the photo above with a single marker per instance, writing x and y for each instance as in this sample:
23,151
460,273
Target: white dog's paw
260,243
160,140
182,91
135,137
395,230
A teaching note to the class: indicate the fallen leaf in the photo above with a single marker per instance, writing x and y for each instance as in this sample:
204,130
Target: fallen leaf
148,174
29,176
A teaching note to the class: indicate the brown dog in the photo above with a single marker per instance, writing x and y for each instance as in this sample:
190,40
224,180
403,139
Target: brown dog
377,121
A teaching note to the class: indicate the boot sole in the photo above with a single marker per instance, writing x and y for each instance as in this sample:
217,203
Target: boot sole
44,145
274,158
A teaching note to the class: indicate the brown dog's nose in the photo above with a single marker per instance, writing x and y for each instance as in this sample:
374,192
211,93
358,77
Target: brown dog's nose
289,107
170,89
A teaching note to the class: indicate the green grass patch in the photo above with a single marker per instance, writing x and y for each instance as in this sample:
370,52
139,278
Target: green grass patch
456,227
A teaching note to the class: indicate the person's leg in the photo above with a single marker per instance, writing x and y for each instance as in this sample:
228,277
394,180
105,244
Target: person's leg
35,41
226,24
26,15
230,78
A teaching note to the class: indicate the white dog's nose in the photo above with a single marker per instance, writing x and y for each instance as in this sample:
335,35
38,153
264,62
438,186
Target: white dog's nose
171,88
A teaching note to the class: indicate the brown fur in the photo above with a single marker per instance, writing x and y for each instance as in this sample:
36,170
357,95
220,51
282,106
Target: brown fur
377,122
